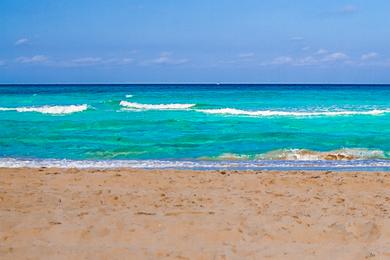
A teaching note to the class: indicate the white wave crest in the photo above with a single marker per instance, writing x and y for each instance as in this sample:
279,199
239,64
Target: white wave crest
268,113
345,154
155,107
336,155
129,96
54,110
198,165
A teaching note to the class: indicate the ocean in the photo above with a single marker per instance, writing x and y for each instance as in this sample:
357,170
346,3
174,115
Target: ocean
196,126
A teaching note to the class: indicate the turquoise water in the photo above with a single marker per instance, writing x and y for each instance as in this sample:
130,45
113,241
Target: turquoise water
143,125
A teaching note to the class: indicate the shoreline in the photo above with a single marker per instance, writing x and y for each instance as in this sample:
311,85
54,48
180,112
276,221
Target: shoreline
77,213
361,165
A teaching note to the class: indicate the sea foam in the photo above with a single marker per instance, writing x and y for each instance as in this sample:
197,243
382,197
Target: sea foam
269,113
335,155
345,154
198,164
54,110
133,105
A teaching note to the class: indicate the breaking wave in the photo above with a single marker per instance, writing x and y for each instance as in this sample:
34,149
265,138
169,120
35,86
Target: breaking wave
54,110
345,154
133,105
268,113
199,164
336,155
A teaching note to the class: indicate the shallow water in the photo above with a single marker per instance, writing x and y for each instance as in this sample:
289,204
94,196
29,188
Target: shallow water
236,124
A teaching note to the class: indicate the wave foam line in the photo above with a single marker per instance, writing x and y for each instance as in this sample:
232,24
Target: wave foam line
201,165
129,96
346,154
336,155
265,113
54,110
155,107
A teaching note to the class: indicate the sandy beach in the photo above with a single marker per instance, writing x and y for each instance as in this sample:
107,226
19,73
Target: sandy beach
172,214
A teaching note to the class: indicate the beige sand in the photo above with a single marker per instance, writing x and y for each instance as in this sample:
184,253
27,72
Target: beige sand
138,214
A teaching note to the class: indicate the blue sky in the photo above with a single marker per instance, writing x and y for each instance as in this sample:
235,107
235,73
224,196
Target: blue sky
106,41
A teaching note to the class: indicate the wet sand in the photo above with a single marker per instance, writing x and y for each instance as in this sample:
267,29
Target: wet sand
171,214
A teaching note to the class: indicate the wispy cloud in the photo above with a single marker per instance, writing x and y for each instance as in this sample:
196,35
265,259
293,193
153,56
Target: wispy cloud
306,61
75,62
320,57
87,61
323,57
369,56
33,59
21,41
243,58
94,61
321,51
282,60
126,61
165,58
246,55
336,56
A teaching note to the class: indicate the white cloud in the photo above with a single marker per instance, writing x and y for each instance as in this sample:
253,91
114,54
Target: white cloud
282,60
305,61
320,57
92,61
165,58
324,57
21,41
126,60
322,51
33,59
117,61
246,55
369,56
87,60
336,56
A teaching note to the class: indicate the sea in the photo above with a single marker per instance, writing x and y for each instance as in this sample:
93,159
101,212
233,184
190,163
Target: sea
196,126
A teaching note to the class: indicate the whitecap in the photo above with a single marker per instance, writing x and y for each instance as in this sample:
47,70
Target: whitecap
309,155
155,107
129,96
269,113
54,110
344,154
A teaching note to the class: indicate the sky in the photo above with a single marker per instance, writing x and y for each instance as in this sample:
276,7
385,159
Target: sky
160,41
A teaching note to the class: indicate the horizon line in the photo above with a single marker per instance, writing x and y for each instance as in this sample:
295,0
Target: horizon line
191,83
